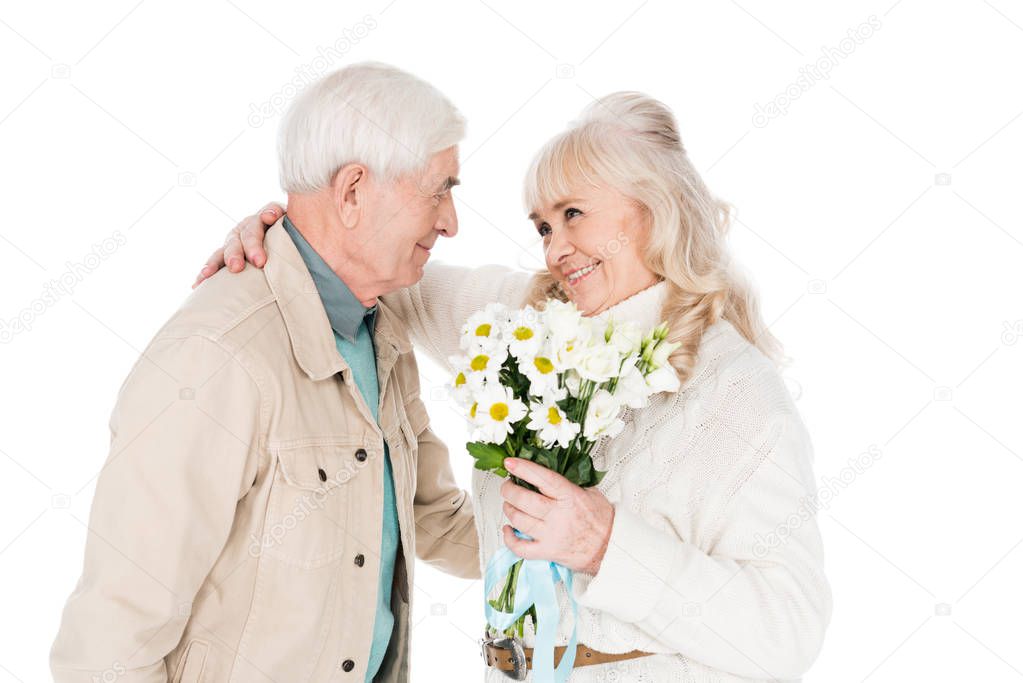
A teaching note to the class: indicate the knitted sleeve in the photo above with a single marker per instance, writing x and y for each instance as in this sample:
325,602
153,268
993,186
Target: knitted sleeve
437,306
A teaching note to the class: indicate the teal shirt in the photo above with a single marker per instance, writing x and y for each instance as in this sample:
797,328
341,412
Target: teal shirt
353,326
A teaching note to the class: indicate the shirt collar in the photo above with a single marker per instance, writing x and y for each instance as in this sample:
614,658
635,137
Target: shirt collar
344,311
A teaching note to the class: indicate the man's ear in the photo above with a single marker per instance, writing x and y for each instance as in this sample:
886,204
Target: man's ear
349,193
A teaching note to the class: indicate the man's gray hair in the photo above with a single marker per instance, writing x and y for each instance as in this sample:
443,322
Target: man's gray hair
368,113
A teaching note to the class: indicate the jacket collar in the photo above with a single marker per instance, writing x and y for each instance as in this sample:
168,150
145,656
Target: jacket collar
345,313
309,329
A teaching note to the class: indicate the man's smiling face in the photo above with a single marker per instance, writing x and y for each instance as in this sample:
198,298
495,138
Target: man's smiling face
407,217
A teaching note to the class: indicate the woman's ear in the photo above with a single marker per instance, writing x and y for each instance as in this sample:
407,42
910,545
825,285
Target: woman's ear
349,193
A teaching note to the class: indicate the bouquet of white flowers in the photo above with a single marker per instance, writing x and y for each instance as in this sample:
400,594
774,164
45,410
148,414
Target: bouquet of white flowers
547,385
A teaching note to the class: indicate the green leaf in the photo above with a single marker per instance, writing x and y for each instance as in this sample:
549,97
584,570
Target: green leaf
488,456
582,473
547,458
539,455
576,472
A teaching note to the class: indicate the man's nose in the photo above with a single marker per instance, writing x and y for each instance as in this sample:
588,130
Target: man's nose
447,222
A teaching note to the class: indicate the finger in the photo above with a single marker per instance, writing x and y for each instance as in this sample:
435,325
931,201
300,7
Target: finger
530,502
525,523
271,213
214,263
253,232
234,255
549,482
527,550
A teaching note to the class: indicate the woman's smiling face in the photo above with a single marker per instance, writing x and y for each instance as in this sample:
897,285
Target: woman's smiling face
593,240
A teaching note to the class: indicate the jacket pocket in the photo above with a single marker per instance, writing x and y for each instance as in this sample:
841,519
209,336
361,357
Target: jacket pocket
193,662
406,440
308,511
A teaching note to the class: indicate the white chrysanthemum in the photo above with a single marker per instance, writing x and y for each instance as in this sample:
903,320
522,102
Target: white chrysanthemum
551,423
541,371
481,334
495,411
602,416
484,367
460,388
524,333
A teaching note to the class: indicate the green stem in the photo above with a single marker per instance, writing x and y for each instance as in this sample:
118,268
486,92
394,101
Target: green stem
509,599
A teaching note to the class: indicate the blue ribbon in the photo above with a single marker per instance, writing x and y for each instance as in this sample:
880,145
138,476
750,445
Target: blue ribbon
534,585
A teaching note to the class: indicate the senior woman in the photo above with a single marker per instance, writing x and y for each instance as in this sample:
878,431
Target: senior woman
676,579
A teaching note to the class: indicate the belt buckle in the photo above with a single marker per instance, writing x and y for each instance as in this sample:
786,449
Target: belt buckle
513,645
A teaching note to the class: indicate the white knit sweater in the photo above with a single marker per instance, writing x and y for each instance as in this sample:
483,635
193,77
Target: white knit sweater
702,481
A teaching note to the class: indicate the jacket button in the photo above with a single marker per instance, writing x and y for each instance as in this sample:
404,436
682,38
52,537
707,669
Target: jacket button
360,455
323,475
348,665
360,560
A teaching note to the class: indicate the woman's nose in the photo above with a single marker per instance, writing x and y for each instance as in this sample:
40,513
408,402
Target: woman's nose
559,247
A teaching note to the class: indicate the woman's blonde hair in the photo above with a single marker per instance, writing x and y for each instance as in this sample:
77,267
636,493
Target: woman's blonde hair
630,142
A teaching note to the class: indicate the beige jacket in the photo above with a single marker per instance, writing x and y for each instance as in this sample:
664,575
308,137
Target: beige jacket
235,529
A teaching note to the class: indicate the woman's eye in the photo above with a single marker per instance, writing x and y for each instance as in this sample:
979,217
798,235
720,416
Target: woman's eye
543,229
571,212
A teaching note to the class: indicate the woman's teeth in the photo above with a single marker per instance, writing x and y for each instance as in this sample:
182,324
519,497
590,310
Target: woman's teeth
582,272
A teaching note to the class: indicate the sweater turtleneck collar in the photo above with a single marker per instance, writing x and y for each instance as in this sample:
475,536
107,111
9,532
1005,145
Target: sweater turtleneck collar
642,308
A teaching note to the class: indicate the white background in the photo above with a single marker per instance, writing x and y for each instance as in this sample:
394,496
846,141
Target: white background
876,216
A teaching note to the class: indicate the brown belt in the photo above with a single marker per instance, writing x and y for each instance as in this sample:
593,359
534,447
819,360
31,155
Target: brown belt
503,659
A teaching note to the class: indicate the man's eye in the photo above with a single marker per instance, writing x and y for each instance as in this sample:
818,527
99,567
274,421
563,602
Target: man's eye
543,229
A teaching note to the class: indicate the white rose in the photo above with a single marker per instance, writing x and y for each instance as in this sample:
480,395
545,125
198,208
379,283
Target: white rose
571,350
573,383
598,363
661,353
632,389
626,337
663,378
602,416
563,319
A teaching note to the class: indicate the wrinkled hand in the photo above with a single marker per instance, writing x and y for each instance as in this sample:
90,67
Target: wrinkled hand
569,524
243,243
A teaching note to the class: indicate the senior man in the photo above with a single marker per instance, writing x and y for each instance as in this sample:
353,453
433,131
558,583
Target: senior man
271,463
